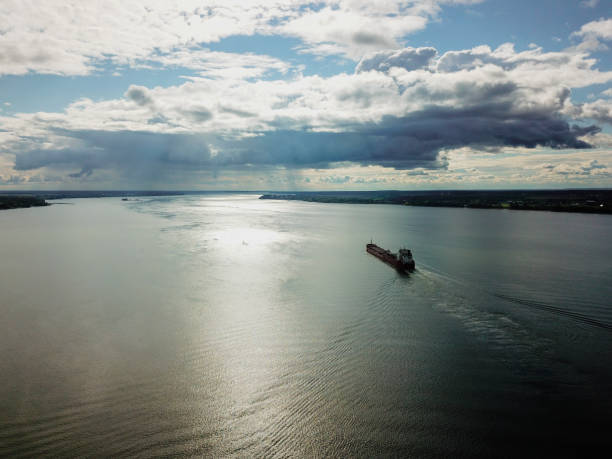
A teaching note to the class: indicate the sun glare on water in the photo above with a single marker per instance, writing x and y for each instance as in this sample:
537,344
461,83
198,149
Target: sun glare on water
255,237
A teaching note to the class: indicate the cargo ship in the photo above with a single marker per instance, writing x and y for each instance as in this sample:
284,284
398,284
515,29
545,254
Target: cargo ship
401,261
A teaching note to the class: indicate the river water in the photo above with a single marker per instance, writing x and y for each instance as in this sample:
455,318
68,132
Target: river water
223,325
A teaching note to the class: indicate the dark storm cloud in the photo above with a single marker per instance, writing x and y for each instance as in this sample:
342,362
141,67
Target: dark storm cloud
409,142
321,149
126,151
36,158
85,172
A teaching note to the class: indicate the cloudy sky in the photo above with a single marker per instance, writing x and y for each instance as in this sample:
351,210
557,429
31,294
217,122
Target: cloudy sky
290,94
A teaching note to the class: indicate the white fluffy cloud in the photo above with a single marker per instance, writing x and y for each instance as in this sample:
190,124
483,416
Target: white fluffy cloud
599,110
353,28
75,38
593,34
600,29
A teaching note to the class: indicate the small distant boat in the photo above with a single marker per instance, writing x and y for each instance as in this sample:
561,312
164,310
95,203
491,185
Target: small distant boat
124,199
401,261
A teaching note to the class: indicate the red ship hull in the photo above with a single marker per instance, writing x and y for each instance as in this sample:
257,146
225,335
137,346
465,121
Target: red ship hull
389,258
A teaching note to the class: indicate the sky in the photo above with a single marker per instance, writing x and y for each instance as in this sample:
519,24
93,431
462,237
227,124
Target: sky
298,95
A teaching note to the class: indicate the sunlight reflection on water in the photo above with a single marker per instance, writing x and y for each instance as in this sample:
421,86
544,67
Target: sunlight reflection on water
224,325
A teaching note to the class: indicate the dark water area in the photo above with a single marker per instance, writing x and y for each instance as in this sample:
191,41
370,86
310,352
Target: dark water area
223,325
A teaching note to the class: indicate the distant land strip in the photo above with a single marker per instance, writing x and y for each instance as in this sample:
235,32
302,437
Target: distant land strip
597,201
18,202
23,199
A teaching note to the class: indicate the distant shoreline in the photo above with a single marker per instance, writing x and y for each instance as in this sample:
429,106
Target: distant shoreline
581,201
21,202
77,194
594,201
25,199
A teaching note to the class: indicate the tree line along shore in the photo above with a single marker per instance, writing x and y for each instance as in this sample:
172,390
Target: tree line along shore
586,201
18,202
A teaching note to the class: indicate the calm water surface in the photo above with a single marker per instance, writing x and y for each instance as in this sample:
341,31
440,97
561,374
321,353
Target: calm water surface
222,325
